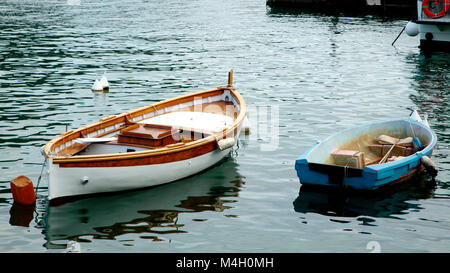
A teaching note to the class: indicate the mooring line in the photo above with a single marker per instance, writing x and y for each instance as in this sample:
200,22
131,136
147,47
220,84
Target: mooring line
39,179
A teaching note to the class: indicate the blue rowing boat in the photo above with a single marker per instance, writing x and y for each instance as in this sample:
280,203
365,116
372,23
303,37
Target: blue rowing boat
369,156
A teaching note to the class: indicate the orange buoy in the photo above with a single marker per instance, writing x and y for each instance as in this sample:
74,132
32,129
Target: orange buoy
22,190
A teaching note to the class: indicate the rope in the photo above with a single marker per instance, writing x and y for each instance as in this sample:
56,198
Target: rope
412,130
39,179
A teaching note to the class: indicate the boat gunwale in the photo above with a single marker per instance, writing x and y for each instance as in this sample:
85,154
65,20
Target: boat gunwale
115,119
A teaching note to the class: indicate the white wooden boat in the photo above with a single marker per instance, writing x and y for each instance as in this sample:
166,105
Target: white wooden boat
149,146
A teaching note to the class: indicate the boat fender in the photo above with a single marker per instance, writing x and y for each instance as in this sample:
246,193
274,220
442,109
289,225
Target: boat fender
412,29
84,180
417,144
226,143
429,165
22,190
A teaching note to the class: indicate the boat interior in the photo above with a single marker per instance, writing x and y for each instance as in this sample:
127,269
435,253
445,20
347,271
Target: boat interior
171,126
362,153
372,147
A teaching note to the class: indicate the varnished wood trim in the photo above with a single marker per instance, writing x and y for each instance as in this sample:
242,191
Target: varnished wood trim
138,154
175,101
147,160
211,140
73,149
125,117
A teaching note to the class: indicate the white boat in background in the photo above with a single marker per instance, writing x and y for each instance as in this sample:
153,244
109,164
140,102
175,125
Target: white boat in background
149,146
432,25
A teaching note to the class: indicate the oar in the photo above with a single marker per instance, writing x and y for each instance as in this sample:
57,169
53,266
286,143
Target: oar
398,36
387,154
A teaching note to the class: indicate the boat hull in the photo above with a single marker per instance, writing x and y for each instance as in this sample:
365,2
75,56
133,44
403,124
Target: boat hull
313,172
73,181
359,179
434,37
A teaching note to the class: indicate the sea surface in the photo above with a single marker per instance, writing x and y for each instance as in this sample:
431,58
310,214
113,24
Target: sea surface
303,74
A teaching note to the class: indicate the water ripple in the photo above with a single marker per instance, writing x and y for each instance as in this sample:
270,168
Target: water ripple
317,73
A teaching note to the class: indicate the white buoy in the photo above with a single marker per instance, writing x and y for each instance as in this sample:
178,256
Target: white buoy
226,143
104,82
97,86
412,29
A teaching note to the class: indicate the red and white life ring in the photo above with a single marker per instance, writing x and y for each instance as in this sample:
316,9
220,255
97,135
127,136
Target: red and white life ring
430,14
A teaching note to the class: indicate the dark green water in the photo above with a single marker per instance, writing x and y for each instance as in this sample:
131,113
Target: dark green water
303,75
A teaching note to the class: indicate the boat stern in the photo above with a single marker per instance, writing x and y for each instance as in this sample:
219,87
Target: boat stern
319,174
335,176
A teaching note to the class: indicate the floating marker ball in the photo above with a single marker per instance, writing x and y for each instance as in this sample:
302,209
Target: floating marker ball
412,29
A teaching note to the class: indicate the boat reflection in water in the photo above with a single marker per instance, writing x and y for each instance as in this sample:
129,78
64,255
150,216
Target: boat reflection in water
21,215
148,212
387,202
